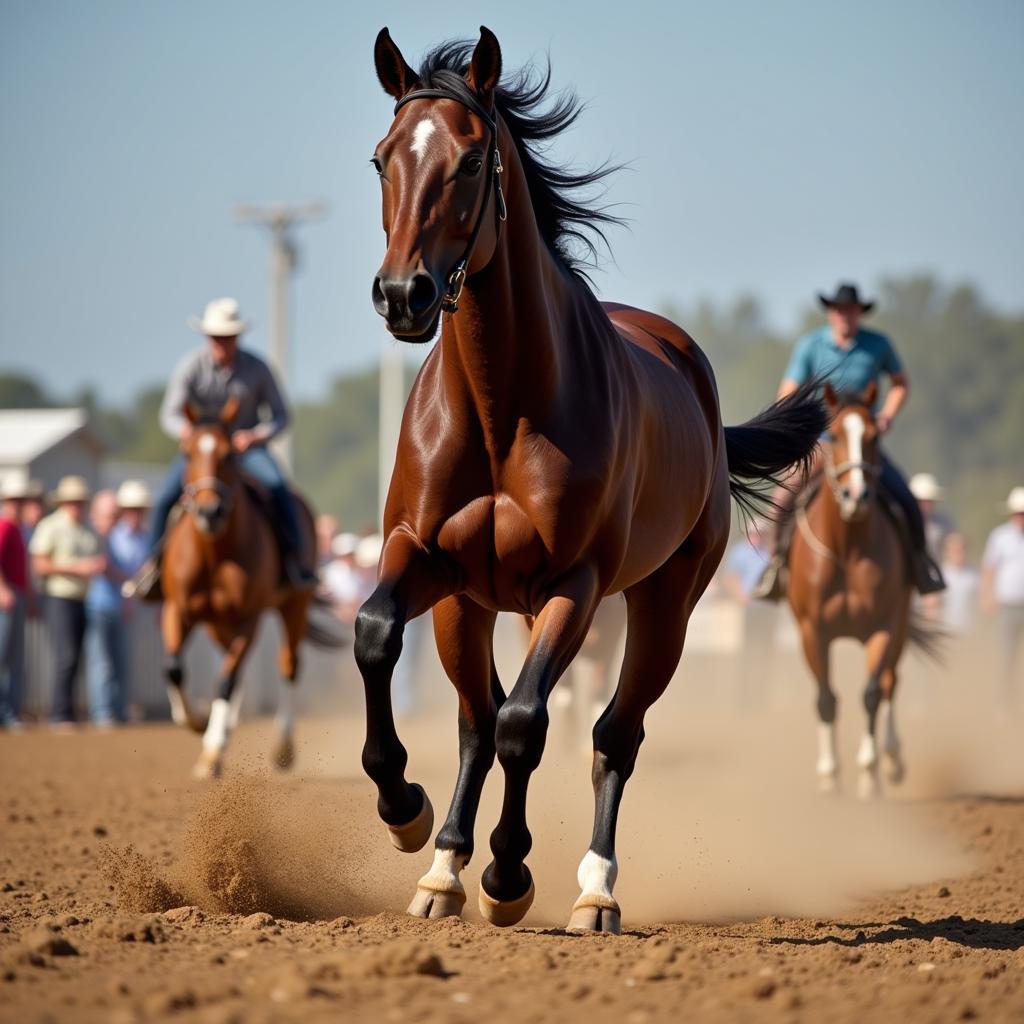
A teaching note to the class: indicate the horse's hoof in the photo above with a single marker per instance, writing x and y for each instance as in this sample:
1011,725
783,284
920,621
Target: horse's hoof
430,903
867,786
505,913
596,914
413,835
209,766
828,784
283,755
894,768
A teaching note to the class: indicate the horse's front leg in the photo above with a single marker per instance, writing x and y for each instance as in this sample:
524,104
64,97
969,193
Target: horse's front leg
174,631
506,886
226,706
464,632
411,581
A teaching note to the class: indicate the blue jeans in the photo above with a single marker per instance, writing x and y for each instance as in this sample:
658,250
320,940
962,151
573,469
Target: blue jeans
12,660
105,663
65,619
256,463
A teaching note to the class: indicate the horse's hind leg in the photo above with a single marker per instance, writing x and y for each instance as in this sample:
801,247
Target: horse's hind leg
892,750
816,652
174,631
293,618
879,653
226,706
506,886
464,633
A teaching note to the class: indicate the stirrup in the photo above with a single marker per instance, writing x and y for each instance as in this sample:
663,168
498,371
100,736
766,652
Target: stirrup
772,584
145,584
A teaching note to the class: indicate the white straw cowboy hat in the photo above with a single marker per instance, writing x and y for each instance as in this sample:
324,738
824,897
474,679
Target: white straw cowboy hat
345,544
134,494
71,488
368,551
1015,502
220,320
16,486
925,487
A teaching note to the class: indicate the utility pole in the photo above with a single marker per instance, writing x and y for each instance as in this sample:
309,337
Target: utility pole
280,218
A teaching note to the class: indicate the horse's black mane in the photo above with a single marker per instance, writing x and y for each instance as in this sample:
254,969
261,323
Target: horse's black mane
570,227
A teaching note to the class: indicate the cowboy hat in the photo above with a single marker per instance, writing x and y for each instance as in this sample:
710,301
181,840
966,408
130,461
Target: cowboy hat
368,551
220,320
344,544
1015,502
71,488
16,487
846,295
925,487
134,494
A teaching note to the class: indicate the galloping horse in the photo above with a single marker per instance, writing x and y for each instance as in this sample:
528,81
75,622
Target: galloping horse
848,578
221,567
553,450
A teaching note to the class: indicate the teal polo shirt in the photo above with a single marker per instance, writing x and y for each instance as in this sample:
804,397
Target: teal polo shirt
852,369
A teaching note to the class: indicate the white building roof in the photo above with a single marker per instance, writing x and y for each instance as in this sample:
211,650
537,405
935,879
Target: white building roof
25,434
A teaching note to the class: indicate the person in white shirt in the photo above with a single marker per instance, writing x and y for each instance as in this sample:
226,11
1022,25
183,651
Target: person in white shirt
1003,588
960,598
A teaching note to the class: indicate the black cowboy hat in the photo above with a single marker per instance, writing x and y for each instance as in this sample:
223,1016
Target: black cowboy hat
846,295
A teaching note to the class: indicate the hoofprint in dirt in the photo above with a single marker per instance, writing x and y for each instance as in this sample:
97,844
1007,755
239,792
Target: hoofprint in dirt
287,903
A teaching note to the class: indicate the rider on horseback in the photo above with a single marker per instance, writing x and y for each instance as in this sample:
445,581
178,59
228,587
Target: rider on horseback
850,358
204,380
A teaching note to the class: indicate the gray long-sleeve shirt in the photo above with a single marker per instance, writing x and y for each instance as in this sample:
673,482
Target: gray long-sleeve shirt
197,379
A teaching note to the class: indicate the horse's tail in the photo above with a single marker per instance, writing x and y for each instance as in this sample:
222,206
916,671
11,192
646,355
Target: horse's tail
928,636
761,451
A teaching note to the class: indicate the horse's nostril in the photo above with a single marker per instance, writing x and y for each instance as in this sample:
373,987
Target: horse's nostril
423,294
380,302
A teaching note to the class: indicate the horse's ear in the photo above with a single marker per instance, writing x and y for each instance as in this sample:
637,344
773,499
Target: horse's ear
831,398
191,413
871,393
485,67
394,73
229,410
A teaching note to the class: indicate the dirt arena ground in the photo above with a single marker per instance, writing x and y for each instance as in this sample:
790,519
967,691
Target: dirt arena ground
130,893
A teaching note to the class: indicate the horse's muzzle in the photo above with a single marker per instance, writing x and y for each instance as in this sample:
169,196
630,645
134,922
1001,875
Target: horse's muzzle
410,305
211,517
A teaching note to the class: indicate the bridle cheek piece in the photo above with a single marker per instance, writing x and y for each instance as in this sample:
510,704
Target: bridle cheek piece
457,275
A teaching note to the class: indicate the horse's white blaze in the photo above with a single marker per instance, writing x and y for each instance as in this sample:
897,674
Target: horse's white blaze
421,134
891,743
854,427
597,874
219,726
206,444
286,711
178,715
826,749
867,755
443,875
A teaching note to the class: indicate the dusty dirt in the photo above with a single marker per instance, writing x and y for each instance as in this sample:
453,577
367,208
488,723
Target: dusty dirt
130,893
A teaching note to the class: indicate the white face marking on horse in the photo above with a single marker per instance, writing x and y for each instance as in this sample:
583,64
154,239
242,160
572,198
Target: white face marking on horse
207,444
420,135
854,427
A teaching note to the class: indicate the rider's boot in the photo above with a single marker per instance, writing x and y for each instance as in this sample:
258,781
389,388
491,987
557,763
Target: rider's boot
772,584
927,575
298,575
145,584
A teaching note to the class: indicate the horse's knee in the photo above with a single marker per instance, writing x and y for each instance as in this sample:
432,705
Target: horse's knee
519,735
826,705
616,745
378,639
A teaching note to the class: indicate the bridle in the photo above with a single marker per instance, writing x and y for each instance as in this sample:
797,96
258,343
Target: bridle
834,470
457,276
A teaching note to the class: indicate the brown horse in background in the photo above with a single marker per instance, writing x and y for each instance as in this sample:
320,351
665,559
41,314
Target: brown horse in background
554,450
221,567
848,578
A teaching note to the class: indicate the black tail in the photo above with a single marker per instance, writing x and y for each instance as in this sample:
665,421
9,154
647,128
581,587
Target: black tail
929,637
762,450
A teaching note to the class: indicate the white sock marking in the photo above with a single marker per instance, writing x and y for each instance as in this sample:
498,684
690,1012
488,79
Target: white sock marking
596,874
178,715
215,738
421,134
826,749
443,875
867,755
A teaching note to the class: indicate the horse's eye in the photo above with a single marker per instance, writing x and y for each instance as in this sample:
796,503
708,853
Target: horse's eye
472,164
377,166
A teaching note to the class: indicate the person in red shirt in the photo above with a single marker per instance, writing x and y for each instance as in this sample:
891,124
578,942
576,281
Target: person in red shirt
13,582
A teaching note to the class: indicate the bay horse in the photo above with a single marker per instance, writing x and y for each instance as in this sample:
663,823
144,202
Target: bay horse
848,578
220,567
553,450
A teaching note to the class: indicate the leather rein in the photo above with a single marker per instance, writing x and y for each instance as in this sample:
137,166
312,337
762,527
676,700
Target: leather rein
457,275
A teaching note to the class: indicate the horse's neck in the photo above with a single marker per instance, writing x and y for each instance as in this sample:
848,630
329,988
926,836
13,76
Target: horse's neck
504,352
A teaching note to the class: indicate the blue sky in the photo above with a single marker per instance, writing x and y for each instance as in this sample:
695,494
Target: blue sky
773,148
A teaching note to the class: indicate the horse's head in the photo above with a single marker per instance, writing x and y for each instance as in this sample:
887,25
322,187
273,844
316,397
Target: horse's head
439,171
209,471
852,457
